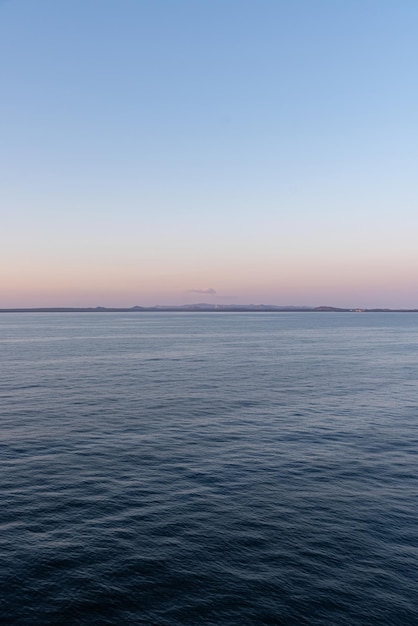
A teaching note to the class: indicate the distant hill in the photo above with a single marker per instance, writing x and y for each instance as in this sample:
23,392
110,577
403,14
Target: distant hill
205,307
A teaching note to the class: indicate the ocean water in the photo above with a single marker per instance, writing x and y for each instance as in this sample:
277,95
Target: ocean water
209,469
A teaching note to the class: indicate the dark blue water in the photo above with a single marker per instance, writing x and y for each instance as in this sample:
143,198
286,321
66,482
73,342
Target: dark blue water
196,469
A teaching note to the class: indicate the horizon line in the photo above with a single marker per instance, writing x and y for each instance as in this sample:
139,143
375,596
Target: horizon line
204,307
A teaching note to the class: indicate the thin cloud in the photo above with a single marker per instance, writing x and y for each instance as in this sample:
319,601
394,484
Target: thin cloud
207,290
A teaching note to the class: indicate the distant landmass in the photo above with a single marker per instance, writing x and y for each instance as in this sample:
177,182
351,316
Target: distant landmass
205,308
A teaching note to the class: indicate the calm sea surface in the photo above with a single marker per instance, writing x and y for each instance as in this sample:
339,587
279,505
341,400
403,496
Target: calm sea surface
209,469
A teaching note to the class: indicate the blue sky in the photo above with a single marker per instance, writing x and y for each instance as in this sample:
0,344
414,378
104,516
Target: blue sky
264,150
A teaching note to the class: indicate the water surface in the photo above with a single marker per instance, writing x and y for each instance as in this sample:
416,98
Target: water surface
199,469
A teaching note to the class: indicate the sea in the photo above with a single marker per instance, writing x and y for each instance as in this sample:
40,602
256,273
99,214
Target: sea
228,469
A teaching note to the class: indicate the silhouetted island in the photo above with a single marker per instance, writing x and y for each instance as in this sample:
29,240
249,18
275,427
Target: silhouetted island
206,308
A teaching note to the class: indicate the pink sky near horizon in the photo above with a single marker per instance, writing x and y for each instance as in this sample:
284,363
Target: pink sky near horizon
320,281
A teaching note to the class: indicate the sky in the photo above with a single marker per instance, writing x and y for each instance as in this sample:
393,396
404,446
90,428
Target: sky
221,151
